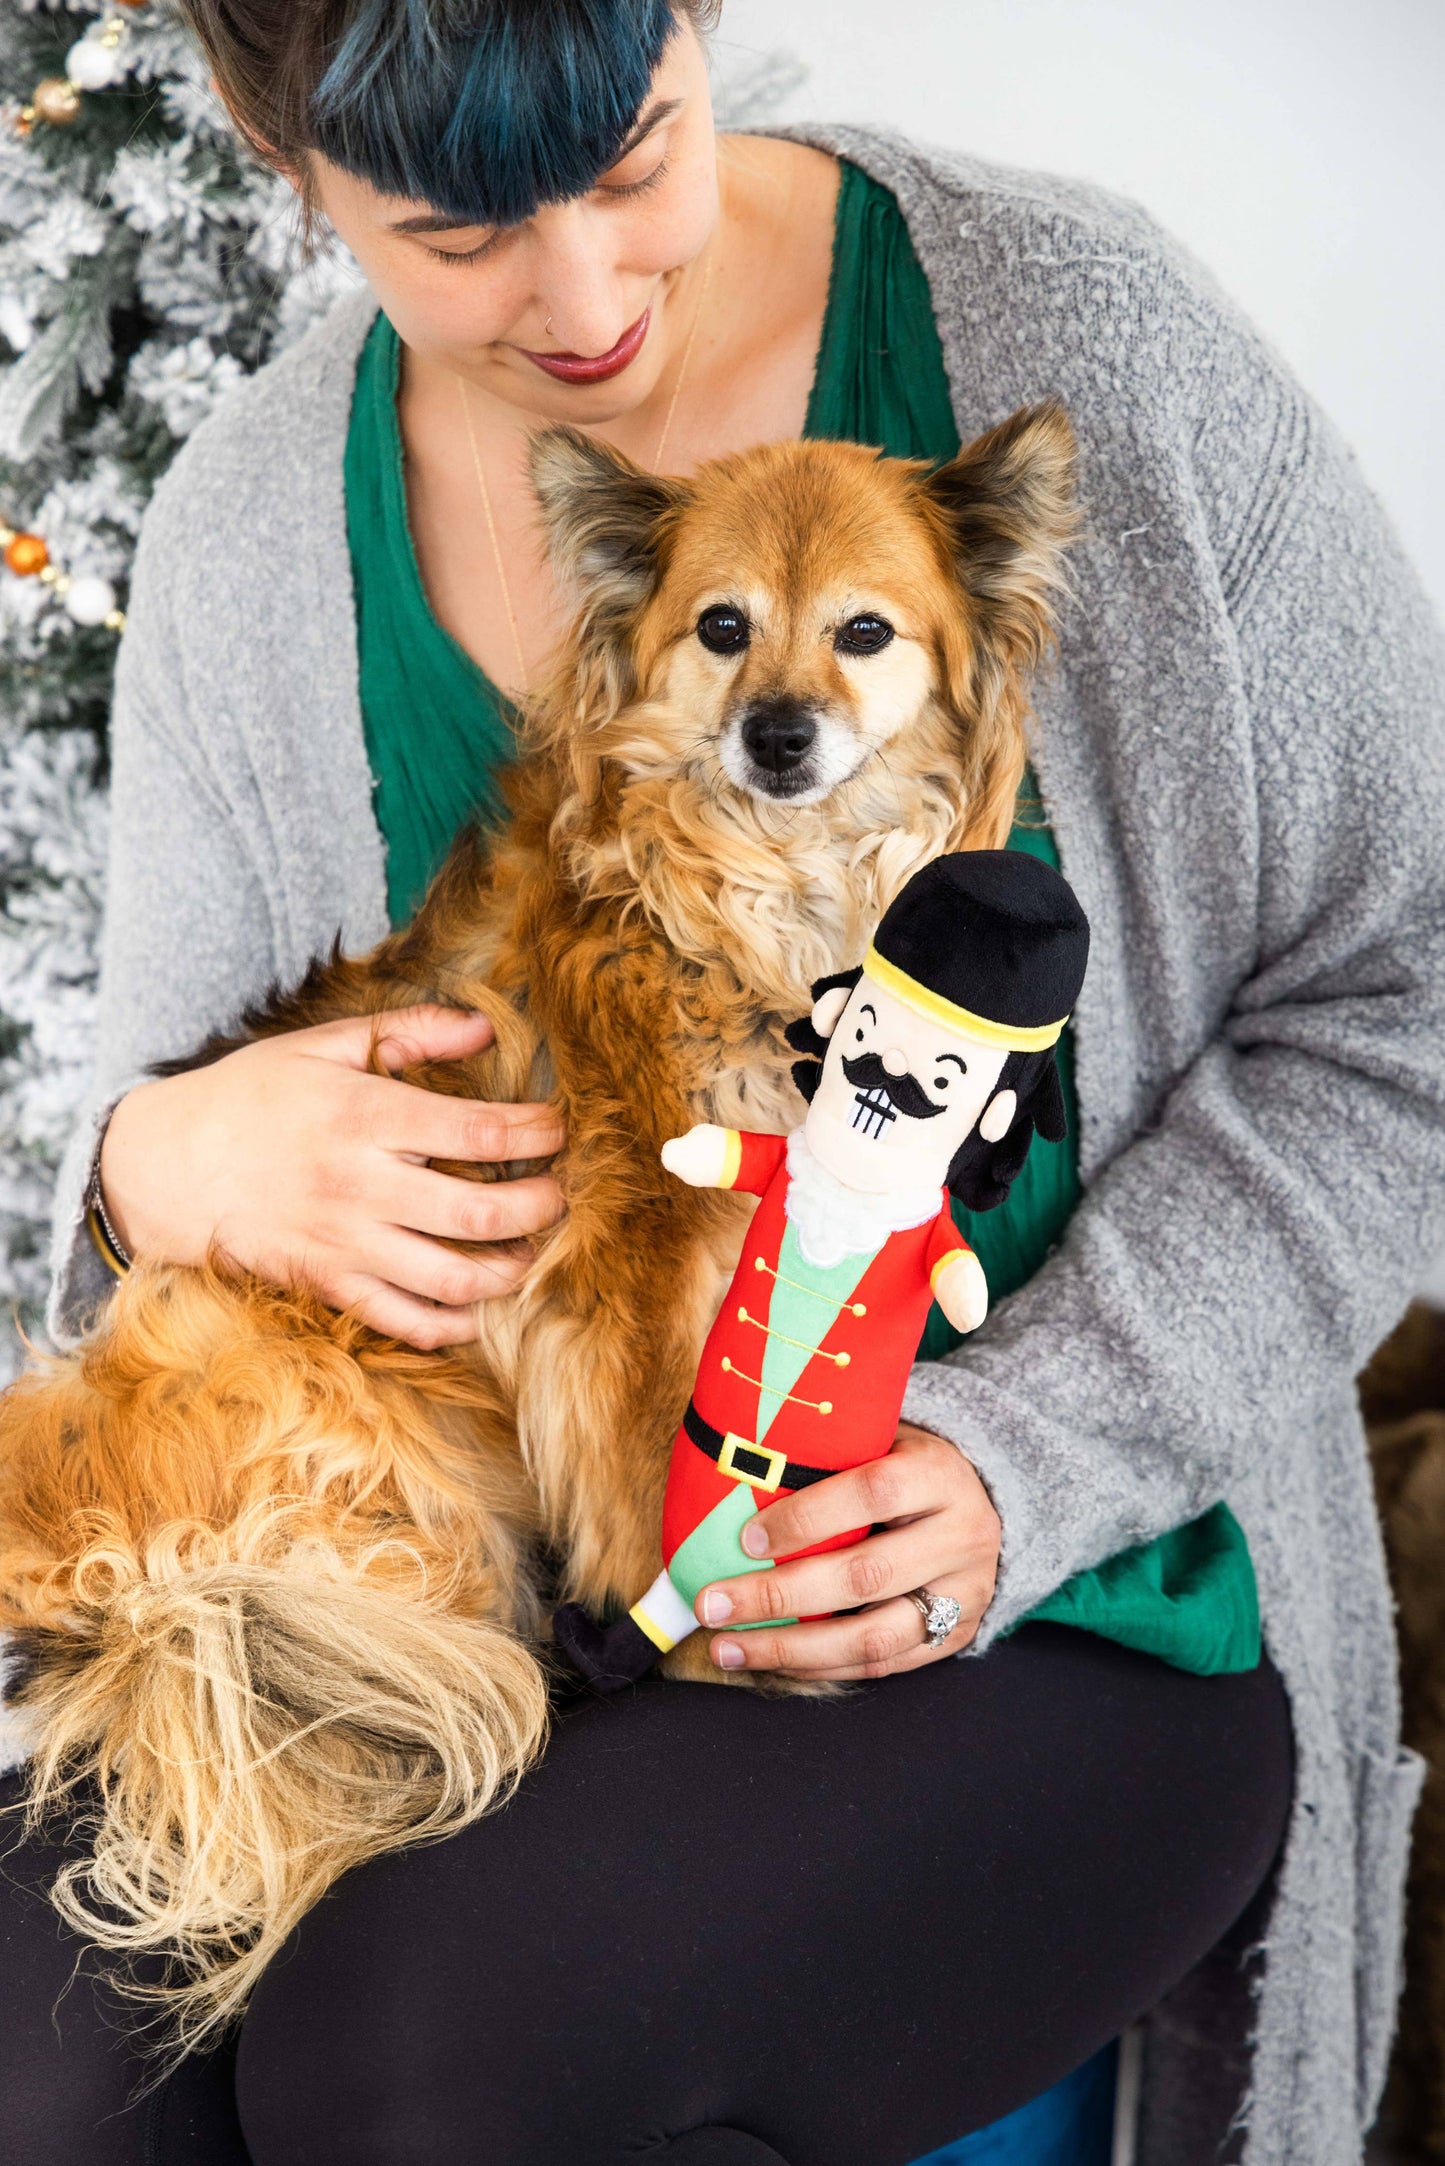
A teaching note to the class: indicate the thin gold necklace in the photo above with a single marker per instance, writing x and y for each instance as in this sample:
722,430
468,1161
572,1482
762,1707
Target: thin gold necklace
523,684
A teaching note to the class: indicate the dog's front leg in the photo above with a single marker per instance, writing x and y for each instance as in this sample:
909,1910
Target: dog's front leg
610,1331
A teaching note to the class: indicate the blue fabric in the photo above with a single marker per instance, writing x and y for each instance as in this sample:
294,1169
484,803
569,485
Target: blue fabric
1071,2125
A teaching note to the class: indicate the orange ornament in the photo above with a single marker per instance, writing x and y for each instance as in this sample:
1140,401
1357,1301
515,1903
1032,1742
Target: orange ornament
27,555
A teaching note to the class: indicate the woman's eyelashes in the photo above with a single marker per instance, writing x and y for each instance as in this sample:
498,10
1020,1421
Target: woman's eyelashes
637,187
467,255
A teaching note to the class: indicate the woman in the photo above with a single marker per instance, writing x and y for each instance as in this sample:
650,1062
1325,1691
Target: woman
1238,757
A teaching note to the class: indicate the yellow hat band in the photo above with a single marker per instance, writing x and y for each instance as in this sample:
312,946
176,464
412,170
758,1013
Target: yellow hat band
1017,1037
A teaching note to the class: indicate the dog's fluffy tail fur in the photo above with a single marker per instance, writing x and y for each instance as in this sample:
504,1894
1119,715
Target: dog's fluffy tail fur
284,1644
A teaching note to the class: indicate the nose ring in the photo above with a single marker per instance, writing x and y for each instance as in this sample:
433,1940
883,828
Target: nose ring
547,328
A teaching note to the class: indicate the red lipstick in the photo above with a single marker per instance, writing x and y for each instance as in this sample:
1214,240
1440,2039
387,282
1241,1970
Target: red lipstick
582,368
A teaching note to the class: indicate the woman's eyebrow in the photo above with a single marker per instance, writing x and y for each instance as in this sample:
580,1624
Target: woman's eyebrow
439,222
435,222
652,118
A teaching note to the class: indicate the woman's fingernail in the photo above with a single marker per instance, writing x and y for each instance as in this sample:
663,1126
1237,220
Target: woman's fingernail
754,1539
716,1607
729,1655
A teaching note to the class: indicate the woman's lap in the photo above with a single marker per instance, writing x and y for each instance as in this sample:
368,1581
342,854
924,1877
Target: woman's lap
853,1929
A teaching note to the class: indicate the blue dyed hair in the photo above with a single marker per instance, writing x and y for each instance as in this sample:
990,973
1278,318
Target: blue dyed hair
482,109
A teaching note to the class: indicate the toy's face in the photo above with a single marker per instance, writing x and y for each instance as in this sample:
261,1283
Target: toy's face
899,1093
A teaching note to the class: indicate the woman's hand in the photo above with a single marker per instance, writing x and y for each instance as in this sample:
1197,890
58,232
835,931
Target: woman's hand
939,1531
303,1166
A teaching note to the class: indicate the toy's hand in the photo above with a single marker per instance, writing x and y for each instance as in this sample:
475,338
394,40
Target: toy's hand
699,1157
961,1291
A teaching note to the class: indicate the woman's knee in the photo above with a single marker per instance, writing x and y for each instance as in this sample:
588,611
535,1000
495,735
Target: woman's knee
717,2147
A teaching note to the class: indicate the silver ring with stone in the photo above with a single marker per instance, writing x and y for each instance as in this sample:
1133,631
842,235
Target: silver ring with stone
940,1613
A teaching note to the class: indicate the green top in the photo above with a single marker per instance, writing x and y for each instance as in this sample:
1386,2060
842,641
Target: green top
437,728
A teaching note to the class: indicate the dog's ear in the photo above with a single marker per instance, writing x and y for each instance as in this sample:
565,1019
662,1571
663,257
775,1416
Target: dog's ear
607,522
1008,504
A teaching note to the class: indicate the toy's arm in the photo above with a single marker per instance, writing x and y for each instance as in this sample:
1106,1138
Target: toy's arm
711,1157
956,1277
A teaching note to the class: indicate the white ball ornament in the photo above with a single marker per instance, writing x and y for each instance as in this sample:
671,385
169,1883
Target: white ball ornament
91,65
90,601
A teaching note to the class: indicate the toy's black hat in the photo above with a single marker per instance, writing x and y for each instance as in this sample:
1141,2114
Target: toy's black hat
992,942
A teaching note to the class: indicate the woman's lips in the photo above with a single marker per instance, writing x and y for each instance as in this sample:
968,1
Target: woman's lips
582,368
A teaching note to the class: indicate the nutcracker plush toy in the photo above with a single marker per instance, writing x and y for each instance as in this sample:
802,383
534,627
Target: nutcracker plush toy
929,1069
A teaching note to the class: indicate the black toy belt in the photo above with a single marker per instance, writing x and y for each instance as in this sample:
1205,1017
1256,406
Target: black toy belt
757,1464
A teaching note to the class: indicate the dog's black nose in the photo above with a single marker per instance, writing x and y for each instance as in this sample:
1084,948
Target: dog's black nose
779,734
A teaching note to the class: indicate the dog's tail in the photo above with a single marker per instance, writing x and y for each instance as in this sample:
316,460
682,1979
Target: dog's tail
240,1735
233,1707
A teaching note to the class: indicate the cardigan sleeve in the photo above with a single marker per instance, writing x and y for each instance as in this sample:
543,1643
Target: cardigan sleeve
1243,1254
187,934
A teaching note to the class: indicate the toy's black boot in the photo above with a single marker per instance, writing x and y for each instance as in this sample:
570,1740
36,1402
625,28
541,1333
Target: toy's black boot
607,1657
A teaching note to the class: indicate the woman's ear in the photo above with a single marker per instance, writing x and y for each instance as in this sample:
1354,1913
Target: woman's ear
606,521
1007,501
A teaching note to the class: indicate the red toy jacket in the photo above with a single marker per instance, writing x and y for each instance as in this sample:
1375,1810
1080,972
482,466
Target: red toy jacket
843,1410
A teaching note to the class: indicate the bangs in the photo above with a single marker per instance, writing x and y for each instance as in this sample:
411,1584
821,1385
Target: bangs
486,109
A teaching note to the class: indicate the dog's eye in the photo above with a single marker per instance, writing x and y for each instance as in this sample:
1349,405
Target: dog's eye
723,630
862,635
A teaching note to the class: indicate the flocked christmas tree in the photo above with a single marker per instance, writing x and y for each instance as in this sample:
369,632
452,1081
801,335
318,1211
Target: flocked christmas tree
146,263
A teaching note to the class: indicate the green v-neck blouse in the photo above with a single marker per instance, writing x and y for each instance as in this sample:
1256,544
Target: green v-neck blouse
437,732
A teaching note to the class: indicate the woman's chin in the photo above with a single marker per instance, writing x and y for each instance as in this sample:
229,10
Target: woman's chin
507,375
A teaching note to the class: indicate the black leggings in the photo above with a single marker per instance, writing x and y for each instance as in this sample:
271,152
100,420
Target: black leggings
714,1930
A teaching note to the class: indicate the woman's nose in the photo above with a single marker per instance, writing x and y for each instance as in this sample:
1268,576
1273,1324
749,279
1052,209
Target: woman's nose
895,1062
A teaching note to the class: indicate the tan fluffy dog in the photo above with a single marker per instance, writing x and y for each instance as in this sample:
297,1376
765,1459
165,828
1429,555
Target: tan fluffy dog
274,1575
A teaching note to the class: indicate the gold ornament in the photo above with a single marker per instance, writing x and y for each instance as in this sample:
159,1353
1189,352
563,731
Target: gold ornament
56,101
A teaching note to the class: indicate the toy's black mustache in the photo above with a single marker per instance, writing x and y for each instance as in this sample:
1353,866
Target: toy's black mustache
866,1072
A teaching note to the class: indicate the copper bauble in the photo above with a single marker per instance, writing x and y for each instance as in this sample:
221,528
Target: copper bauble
27,555
56,101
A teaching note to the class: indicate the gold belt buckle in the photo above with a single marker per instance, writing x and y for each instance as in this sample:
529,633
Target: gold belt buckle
735,1448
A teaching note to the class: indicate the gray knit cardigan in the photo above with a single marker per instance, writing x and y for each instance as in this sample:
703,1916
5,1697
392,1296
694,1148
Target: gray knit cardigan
1242,758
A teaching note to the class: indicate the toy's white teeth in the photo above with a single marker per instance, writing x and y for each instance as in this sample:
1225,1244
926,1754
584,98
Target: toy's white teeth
872,1111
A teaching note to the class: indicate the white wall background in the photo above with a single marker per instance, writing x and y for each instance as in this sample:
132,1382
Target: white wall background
1297,146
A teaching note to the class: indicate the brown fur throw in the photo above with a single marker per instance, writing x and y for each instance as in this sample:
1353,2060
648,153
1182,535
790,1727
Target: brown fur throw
1402,1395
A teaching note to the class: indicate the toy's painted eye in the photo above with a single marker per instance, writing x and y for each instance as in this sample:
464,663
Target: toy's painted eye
857,1037
862,635
940,1082
723,630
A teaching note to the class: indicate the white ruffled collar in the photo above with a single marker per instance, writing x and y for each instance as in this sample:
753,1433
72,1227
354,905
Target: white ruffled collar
832,1221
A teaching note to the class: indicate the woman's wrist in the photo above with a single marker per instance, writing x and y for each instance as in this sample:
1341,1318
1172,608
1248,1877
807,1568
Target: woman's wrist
109,1195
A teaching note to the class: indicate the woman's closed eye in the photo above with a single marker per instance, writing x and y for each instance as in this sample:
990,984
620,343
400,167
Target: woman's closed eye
637,187
467,255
